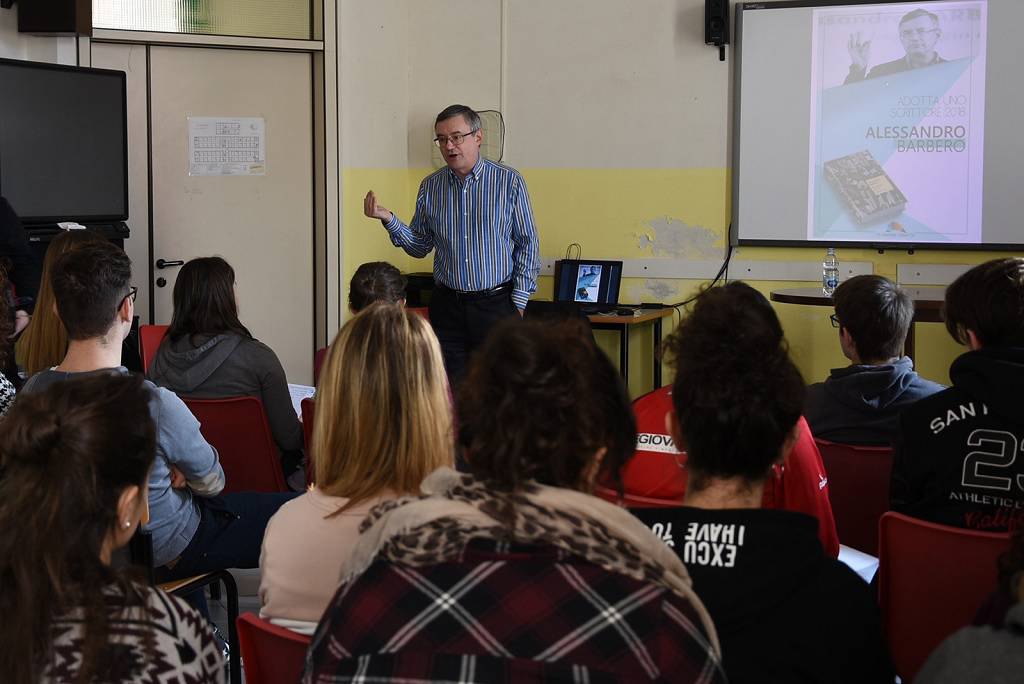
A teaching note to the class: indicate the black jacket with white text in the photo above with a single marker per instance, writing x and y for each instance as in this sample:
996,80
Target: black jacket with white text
958,457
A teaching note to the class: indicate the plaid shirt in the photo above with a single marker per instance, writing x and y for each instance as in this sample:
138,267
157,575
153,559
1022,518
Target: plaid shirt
507,613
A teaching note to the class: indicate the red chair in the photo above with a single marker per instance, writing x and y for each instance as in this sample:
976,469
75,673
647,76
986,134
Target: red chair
270,654
422,311
308,406
858,487
931,580
237,428
150,337
318,362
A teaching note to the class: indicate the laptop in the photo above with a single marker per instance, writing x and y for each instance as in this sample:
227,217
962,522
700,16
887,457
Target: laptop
592,284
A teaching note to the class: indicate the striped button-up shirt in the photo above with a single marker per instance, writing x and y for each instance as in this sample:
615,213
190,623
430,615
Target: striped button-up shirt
481,226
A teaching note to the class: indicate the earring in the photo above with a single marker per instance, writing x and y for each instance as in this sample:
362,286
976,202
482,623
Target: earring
127,523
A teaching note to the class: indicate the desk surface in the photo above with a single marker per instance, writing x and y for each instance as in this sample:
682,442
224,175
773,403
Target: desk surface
927,300
645,316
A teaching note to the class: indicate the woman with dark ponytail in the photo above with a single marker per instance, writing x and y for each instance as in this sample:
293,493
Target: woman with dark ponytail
75,460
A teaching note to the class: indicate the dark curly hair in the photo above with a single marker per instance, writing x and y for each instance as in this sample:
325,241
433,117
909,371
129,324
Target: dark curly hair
736,394
538,402
376,281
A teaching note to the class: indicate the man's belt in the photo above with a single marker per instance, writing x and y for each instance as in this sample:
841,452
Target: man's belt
471,296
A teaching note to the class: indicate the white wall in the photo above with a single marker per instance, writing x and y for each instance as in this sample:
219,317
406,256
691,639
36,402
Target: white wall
14,45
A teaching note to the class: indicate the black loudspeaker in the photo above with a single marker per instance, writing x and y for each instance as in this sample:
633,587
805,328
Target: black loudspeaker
55,17
716,22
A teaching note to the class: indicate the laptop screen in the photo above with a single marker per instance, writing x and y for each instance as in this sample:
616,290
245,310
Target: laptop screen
588,282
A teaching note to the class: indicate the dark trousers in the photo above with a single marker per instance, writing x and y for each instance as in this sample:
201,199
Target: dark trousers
461,323
230,533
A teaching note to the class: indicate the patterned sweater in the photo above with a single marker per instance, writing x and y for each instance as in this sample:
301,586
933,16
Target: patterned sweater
173,643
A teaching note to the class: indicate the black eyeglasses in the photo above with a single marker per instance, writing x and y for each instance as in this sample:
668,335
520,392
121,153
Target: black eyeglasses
132,293
835,320
455,138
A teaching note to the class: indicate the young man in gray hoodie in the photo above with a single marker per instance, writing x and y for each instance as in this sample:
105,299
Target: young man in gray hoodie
193,529
860,404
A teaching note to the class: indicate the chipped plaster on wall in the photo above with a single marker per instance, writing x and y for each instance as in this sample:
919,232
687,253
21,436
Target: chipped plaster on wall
652,290
673,237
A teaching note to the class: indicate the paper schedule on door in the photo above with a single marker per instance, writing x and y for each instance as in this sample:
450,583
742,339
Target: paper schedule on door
227,146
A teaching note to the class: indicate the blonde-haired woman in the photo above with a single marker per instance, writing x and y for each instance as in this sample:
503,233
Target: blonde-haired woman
43,343
383,422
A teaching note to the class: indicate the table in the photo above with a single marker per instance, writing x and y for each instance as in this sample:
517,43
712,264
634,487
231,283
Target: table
928,303
622,324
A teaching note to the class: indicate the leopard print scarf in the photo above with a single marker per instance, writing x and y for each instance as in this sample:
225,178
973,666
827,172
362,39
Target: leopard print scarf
456,508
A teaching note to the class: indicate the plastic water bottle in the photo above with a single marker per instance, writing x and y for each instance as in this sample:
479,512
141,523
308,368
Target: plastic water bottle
829,272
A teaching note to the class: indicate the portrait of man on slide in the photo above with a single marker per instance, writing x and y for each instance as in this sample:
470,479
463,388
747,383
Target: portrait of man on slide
919,32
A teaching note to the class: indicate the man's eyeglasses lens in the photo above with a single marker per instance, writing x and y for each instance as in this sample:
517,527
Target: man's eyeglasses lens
919,33
455,138
132,292
835,320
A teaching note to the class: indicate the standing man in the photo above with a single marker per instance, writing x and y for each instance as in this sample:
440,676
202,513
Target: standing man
477,214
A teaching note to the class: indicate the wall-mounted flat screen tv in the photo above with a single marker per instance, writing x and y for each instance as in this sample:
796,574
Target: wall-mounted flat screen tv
63,142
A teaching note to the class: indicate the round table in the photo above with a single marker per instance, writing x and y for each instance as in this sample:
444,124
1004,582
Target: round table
928,303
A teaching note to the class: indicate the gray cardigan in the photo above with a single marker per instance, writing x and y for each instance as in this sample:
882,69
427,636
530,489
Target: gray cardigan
979,654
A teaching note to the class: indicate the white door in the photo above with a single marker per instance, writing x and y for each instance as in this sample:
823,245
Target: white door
261,224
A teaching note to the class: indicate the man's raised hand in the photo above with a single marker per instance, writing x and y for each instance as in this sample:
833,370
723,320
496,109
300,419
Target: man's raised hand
860,50
374,210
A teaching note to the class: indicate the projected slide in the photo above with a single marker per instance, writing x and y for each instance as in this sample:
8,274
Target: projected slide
897,123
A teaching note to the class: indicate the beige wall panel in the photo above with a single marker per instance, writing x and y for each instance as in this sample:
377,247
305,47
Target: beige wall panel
373,82
131,59
614,84
455,57
263,225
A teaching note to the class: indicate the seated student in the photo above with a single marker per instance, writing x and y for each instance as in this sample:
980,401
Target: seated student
193,529
784,610
541,581
6,328
860,404
376,281
44,342
658,469
208,354
76,458
994,655
385,362
957,456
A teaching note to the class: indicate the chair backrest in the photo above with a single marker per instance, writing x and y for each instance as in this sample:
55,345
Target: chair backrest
932,578
318,362
237,428
308,407
858,487
422,311
150,337
271,654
